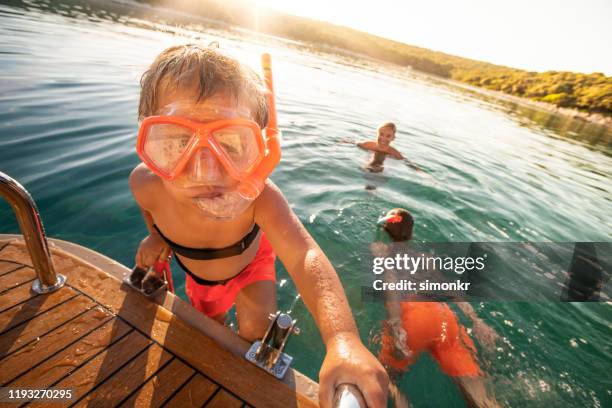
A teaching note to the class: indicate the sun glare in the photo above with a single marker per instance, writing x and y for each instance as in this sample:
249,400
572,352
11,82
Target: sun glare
474,29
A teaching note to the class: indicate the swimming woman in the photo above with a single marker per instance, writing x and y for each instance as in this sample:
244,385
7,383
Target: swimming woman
381,147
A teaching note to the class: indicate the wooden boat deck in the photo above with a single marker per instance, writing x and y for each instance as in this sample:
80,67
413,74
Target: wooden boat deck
114,347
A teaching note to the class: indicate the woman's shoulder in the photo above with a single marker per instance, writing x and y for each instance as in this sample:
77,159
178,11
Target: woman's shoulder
368,144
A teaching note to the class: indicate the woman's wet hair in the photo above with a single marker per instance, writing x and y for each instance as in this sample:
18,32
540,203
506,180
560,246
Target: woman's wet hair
402,230
389,125
205,71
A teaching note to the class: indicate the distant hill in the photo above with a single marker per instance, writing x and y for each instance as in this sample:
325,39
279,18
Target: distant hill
586,92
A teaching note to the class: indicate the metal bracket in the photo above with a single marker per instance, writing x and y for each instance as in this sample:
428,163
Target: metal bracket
278,370
267,353
146,282
40,288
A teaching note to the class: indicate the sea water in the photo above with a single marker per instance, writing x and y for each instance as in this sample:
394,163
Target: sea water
491,171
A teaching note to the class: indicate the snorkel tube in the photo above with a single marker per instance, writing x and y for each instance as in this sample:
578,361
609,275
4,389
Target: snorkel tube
255,183
392,218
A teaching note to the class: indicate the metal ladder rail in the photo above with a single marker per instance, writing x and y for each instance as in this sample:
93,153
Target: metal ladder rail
33,232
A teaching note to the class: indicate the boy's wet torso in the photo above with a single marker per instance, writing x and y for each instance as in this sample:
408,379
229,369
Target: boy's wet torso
183,223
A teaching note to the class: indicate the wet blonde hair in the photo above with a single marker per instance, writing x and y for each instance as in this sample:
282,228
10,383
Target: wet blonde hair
206,71
390,125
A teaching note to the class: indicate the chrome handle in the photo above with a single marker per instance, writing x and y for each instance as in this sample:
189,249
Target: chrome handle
348,396
33,232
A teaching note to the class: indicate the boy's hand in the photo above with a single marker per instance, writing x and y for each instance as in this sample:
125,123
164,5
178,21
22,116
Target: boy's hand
149,251
348,361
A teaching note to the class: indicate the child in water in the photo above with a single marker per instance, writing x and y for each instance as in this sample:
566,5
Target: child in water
381,147
417,326
204,192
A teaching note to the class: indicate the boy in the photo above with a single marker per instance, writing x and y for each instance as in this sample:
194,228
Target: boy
414,327
203,191
381,147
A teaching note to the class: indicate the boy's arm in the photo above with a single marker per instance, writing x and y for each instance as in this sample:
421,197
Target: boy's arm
347,359
142,183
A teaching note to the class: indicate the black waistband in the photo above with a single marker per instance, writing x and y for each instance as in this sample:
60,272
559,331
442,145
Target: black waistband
201,281
203,254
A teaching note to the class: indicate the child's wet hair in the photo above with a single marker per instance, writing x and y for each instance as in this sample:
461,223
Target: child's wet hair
402,230
207,71
390,125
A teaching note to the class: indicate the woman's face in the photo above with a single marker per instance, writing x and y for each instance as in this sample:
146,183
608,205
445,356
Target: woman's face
385,136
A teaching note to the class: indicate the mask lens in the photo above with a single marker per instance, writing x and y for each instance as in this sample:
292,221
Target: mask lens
165,144
204,169
240,145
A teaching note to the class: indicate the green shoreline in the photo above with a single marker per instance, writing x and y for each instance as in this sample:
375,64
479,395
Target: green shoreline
585,96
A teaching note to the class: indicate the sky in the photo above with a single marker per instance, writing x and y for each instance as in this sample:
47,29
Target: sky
538,35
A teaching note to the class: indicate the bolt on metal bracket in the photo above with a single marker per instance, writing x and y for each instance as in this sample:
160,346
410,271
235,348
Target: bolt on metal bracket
267,353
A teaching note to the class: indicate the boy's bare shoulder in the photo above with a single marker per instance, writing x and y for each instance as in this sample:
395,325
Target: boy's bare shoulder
271,204
145,186
270,196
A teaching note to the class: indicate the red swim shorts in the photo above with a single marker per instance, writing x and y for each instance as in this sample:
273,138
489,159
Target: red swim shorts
218,299
433,327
